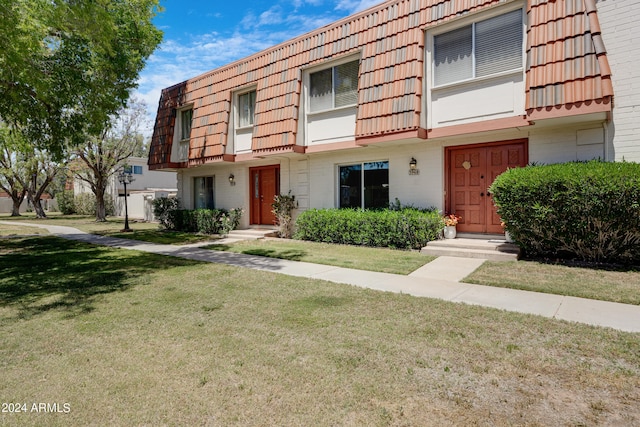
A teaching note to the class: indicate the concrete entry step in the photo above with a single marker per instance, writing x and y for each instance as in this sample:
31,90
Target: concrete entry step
253,233
494,248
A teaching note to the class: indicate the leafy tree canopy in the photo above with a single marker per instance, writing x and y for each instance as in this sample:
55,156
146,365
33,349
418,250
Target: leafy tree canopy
66,66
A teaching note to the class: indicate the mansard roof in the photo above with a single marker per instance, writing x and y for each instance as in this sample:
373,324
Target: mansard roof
566,66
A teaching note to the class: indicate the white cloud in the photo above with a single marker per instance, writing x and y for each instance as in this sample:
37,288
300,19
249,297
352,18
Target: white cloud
353,6
176,60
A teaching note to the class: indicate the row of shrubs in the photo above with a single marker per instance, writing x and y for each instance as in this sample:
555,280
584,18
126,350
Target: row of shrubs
585,210
405,228
205,221
83,203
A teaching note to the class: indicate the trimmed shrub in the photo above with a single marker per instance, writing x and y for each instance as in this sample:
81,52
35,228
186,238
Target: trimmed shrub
85,204
282,207
66,202
407,228
585,210
164,210
205,221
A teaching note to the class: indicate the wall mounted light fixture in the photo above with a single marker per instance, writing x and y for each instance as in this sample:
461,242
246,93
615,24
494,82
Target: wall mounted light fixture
413,167
232,179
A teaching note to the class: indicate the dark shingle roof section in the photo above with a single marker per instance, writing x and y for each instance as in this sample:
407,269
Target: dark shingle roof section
566,64
162,140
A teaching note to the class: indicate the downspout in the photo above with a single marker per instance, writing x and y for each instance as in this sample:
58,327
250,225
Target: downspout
605,69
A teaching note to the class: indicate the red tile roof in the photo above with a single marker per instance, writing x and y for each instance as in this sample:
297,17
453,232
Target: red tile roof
566,64
566,59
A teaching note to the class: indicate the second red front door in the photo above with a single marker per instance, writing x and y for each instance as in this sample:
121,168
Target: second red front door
471,171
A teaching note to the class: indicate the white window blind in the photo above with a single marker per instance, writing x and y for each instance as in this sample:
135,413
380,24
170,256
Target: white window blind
480,49
185,123
321,94
346,84
334,87
453,56
499,44
246,108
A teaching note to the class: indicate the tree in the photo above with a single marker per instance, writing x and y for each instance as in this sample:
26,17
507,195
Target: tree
41,169
102,155
12,166
67,66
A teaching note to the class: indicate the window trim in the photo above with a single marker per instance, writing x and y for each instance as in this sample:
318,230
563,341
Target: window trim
362,180
467,21
330,65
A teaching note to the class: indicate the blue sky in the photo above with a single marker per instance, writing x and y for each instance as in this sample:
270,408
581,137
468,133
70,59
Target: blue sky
201,35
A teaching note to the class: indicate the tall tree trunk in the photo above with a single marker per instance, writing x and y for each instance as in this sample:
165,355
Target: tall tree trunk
37,206
17,198
101,212
15,210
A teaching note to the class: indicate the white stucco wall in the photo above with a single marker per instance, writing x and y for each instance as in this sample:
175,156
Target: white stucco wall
618,20
567,143
313,178
227,196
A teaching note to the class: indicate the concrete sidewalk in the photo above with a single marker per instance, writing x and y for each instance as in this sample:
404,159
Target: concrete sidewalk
439,279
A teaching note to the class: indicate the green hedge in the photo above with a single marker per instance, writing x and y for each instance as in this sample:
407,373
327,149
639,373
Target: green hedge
205,221
404,228
585,210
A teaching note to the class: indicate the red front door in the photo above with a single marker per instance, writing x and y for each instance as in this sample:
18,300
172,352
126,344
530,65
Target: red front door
471,170
265,185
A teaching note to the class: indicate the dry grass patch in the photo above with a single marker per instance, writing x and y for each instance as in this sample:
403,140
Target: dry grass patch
20,230
595,283
359,257
148,340
143,231
86,223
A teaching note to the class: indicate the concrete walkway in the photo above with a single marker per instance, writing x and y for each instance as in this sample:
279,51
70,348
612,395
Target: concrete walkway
439,279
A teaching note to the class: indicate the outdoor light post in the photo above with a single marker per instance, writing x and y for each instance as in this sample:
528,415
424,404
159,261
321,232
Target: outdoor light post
125,178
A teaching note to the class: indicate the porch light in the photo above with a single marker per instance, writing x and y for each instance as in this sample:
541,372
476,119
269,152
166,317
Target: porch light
232,179
125,177
413,167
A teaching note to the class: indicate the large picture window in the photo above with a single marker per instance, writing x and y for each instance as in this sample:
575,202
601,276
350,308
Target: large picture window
203,192
364,185
481,49
334,87
246,108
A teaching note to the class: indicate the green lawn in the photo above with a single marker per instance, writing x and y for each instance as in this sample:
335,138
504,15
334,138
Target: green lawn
622,285
130,338
607,285
358,257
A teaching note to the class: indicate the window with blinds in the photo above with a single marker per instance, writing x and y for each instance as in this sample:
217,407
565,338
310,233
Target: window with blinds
186,117
334,87
246,108
481,49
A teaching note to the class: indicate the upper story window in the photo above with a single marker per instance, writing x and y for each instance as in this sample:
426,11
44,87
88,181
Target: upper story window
246,108
137,170
481,49
186,117
334,87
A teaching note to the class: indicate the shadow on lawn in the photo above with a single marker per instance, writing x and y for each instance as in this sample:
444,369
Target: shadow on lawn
288,254
292,254
47,273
